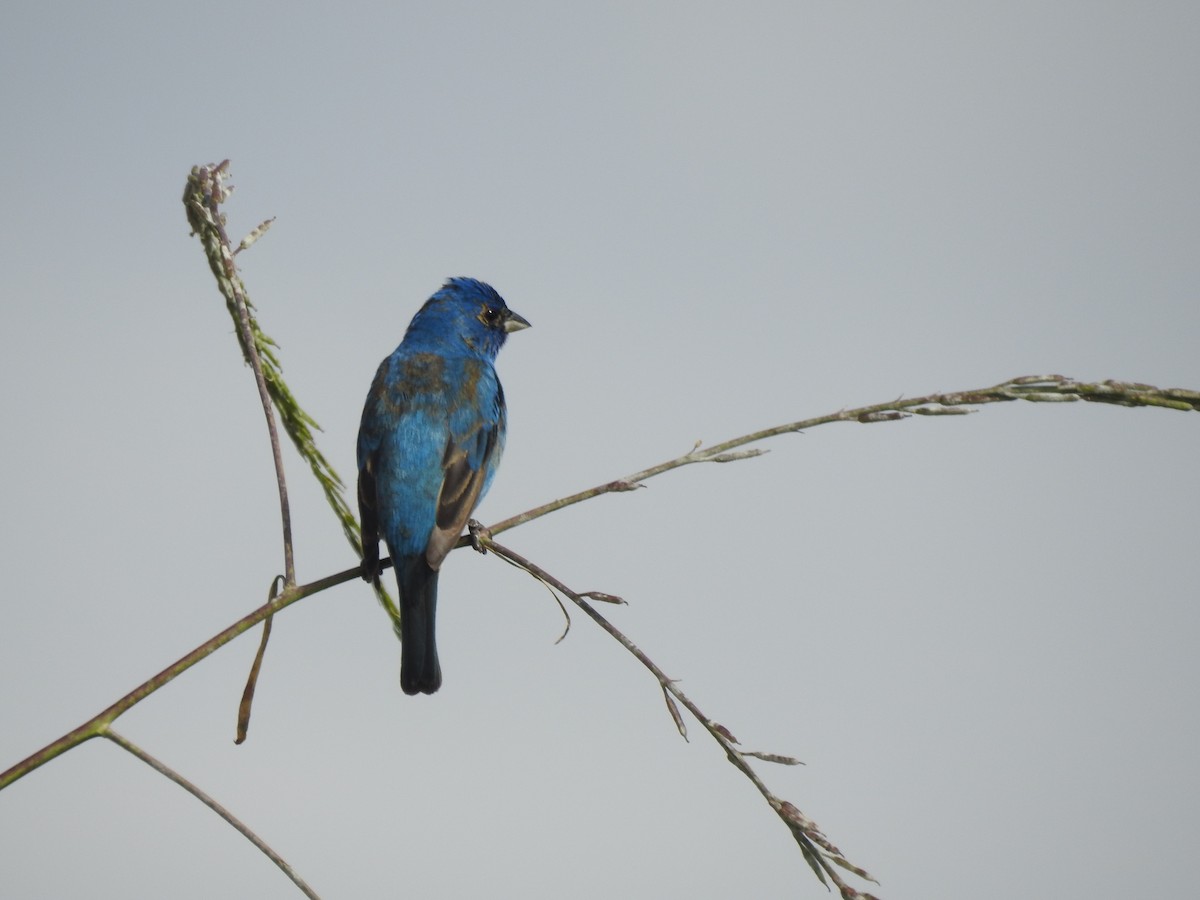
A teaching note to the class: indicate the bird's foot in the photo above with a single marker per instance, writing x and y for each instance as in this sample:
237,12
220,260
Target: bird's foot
479,533
371,570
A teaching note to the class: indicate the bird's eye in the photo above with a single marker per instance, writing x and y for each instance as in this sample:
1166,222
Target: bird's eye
489,316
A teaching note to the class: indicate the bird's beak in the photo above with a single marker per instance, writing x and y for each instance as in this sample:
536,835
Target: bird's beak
514,322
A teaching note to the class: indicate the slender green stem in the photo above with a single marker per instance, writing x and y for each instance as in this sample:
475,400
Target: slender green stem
96,725
202,198
821,855
1033,388
1044,389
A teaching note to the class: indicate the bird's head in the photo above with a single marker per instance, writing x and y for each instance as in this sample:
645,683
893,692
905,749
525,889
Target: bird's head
468,310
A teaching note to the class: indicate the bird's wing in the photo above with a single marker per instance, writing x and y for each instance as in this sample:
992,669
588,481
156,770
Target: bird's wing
369,439
368,518
465,472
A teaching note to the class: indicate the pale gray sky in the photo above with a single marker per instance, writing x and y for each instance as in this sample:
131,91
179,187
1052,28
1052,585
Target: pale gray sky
980,633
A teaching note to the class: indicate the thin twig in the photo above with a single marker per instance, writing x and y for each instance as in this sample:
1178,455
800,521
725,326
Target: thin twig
212,804
94,726
1034,388
205,188
203,196
820,854
205,192
243,722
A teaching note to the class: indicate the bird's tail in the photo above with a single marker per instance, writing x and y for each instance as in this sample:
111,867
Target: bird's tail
419,669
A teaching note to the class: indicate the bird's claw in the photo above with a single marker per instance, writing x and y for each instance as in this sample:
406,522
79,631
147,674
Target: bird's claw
479,533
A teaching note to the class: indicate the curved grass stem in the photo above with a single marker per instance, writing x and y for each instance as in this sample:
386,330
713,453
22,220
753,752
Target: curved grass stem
166,771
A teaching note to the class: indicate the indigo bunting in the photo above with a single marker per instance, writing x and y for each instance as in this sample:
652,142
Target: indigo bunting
428,447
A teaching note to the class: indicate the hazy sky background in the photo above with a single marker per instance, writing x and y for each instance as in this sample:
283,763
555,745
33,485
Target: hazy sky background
980,633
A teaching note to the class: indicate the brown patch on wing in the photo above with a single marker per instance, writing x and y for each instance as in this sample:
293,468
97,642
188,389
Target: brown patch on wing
461,486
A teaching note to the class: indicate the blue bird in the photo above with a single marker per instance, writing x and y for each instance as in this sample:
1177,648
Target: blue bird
429,444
